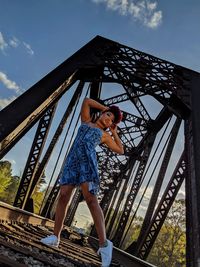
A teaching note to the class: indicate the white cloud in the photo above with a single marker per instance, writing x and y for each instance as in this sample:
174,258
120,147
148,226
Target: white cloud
135,10
8,83
124,7
148,192
11,160
155,20
6,101
3,43
181,194
28,48
14,42
142,10
151,6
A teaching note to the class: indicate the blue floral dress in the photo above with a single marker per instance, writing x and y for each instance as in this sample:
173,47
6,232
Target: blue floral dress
81,163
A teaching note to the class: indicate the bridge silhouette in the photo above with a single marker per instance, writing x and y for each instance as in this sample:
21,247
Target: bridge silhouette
160,132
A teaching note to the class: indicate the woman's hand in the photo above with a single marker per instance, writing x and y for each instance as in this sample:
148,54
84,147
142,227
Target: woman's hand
114,142
105,109
113,128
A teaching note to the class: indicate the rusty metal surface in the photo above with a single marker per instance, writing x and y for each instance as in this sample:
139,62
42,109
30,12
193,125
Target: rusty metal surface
20,234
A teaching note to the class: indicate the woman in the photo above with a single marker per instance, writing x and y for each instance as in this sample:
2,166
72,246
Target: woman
80,168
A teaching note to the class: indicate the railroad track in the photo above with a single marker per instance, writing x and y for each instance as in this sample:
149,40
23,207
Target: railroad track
20,234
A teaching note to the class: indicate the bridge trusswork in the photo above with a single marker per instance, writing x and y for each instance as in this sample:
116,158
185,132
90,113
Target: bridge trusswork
160,132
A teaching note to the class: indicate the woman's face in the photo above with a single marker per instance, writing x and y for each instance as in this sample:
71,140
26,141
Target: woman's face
107,118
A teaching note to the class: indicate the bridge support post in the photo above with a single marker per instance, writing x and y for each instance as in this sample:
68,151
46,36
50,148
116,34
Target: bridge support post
193,177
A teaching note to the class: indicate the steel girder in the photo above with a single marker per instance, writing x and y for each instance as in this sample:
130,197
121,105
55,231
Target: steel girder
142,147
114,187
134,190
106,160
26,110
54,192
192,131
124,185
33,158
98,52
143,72
162,210
159,180
55,138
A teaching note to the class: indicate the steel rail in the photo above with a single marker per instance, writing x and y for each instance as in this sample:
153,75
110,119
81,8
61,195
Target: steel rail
21,231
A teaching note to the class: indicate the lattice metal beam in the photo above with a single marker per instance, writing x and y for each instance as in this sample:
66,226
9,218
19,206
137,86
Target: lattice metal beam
134,190
135,154
33,158
147,73
162,210
159,180
120,199
108,194
27,109
55,138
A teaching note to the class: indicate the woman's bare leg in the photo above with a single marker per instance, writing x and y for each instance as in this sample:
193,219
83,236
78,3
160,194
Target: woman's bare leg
61,209
96,212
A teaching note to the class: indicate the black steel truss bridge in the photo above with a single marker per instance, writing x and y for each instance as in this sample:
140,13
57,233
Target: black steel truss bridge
160,132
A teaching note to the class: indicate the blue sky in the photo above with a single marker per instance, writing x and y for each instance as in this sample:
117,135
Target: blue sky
36,36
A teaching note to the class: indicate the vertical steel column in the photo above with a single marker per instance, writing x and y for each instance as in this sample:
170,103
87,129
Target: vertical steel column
193,179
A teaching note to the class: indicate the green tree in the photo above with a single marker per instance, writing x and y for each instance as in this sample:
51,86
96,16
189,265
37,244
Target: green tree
132,231
5,177
10,193
39,193
169,248
8,183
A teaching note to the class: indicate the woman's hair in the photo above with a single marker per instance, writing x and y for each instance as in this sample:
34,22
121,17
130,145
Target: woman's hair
116,112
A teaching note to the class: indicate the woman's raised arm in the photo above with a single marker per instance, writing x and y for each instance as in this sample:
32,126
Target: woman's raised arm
85,109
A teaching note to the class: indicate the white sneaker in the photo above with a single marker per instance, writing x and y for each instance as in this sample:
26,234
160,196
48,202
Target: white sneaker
106,254
50,240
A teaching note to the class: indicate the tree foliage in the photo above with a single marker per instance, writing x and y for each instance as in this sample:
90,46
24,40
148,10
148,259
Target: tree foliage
133,231
5,176
170,246
8,183
38,194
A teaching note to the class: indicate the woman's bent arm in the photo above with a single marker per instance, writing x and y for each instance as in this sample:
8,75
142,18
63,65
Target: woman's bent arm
85,109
